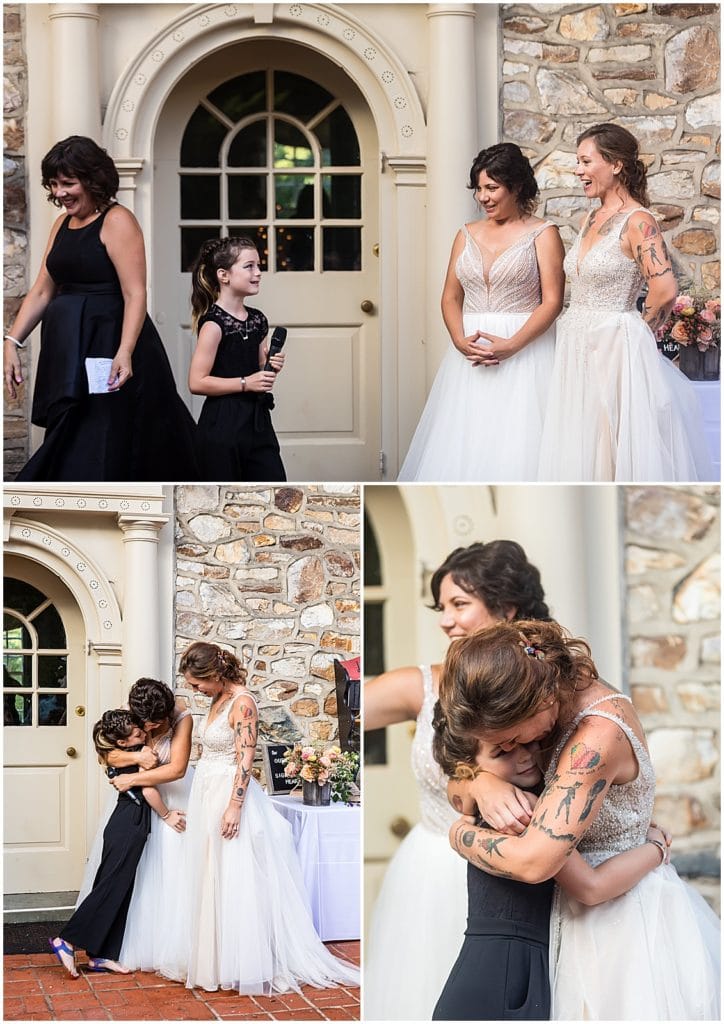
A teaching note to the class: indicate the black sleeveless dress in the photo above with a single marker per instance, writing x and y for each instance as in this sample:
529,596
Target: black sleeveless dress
235,436
501,972
141,432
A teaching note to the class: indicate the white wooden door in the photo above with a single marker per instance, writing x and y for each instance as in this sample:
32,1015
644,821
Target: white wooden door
276,143
44,732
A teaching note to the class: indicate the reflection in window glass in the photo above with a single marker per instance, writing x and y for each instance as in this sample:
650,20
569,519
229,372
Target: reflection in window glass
200,197
52,709
247,196
53,671
50,629
202,140
249,147
21,596
295,248
291,148
242,96
342,195
372,563
374,662
18,669
17,709
294,196
299,96
15,635
341,249
338,140
191,241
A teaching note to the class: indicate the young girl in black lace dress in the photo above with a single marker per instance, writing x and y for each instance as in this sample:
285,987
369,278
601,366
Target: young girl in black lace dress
235,433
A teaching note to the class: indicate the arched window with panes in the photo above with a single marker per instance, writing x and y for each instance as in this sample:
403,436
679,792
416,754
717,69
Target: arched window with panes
273,156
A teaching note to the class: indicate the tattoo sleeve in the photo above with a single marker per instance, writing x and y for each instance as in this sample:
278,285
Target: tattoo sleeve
245,735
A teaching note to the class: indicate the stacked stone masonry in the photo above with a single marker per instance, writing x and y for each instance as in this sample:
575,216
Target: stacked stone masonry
653,68
15,219
272,574
673,618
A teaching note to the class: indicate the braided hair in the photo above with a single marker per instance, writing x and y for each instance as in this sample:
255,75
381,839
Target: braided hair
216,254
115,725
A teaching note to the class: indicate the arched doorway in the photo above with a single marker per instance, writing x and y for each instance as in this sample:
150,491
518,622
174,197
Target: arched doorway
44,700
270,139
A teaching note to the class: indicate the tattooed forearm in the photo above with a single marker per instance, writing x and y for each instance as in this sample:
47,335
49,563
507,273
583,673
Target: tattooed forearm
567,800
655,316
596,788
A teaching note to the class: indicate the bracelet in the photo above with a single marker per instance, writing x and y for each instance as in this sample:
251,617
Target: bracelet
656,842
16,343
164,816
243,383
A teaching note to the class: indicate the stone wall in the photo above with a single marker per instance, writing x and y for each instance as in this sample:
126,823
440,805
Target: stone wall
673,617
272,574
15,221
653,68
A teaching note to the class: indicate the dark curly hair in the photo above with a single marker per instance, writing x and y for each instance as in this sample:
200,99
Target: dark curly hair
615,143
151,700
500,574
499,677
506,164
114,725
208,661
82,158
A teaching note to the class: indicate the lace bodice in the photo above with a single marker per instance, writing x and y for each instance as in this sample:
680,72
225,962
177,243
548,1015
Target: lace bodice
217,738
162,746
513,278
604,279
625,814
436,813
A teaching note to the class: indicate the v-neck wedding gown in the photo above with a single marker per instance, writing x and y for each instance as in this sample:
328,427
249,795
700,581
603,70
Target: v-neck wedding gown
483,423
617,408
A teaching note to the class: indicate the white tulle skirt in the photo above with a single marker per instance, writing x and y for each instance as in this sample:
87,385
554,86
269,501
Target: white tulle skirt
483,423
417,929
651,954
618,409
242,918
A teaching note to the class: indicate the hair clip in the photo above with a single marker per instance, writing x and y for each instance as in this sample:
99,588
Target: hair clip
533,652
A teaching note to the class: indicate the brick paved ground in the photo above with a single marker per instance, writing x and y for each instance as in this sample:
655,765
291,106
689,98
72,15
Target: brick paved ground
36,987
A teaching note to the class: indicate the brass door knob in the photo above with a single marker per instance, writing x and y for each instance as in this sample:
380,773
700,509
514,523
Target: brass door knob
400,827
80,711
367,305
71,751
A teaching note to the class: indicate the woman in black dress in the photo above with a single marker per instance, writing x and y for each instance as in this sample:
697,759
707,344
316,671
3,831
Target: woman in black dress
90,294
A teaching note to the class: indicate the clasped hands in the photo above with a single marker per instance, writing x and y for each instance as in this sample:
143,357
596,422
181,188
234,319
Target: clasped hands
495,351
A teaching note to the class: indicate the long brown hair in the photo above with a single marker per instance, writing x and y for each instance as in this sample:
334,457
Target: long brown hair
615,143
501,676
216,254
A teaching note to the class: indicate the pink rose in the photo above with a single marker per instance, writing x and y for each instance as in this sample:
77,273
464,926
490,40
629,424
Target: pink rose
714,305
705,335
679,333
707,316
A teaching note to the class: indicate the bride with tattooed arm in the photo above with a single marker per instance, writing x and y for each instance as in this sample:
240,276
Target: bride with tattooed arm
531,683
617,408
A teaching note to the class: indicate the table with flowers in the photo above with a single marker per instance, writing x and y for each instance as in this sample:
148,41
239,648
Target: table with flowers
328,844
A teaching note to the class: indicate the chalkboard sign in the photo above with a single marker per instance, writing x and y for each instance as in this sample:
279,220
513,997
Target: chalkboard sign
276,780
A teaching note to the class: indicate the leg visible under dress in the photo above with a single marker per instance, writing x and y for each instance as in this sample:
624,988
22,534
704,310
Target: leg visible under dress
99,922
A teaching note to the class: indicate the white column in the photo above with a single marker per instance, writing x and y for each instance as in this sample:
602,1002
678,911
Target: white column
75,98
452,144
141,655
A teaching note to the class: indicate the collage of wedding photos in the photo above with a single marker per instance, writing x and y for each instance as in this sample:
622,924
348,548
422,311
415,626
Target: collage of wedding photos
362,531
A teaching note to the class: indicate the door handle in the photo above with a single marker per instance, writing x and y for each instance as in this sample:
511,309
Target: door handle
71,752
80,711
367,305
400,827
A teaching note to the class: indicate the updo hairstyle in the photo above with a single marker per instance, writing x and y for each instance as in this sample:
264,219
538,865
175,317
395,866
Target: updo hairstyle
151,700
208,661
615,143
506,164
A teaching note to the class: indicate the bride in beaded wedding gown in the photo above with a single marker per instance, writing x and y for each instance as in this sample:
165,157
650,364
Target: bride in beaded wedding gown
651,954
617,408
420,912
483,423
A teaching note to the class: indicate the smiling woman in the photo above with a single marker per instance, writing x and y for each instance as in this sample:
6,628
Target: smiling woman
104,390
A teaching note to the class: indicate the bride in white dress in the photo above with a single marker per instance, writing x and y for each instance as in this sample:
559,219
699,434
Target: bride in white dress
503,291
420,913
242,920
618,409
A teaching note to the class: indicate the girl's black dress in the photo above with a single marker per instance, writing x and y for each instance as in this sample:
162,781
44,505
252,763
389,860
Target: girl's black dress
141,432
98,924
235,433
501,972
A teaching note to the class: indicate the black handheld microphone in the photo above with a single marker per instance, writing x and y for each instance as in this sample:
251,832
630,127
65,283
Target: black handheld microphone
279,336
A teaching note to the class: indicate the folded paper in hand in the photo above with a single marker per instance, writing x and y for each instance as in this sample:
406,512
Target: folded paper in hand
98,372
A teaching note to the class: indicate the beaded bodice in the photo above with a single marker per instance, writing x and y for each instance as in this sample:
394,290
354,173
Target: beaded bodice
436,813
625,814
217,739
604,279
510,284
162,746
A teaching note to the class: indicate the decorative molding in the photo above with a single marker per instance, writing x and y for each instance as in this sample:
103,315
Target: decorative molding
145,502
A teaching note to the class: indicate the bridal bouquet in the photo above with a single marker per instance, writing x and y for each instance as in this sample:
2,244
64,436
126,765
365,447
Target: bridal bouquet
315,763
694,320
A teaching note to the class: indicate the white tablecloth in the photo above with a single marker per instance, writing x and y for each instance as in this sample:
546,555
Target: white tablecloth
709,395
328,844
